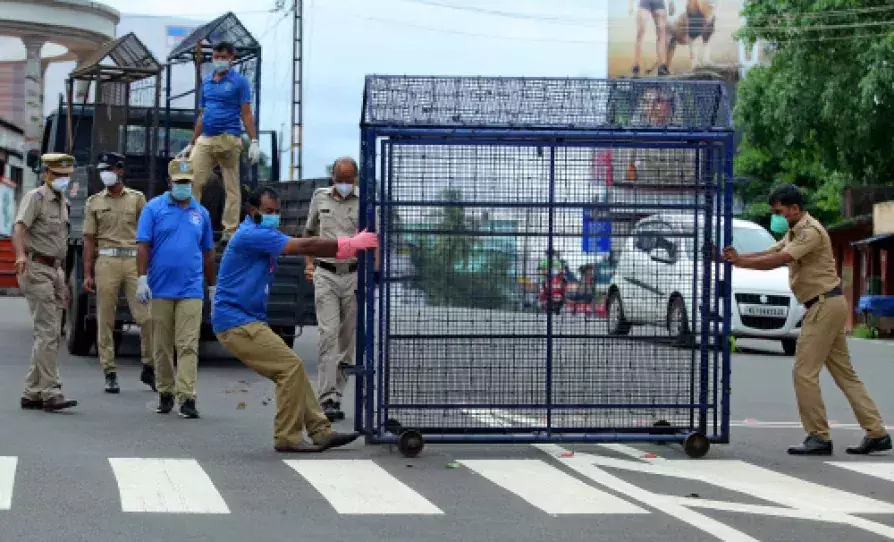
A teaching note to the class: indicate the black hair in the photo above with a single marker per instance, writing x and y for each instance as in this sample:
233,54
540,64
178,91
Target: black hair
254,199
225,47
788,195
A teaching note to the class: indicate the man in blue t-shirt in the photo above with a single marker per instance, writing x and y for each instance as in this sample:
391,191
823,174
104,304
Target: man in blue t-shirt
175,248
239,319
224,108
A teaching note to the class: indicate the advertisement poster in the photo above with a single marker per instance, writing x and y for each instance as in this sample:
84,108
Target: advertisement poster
699,36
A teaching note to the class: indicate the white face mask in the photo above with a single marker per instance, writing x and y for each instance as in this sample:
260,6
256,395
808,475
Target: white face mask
108,178
344,189
60,184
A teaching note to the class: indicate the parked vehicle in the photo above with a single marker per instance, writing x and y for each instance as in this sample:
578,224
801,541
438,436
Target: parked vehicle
656,282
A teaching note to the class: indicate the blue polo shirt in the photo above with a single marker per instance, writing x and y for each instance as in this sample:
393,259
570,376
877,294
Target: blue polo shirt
245,275
222,103
178,237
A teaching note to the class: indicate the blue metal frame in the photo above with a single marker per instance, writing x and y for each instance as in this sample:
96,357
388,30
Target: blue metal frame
373,406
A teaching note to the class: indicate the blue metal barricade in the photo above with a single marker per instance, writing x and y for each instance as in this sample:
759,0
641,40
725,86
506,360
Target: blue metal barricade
546,256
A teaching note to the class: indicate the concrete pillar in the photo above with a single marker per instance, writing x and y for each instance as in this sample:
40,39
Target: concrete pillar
33,97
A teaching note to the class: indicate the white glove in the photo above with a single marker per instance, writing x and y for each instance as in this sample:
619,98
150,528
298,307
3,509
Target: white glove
187,150
254,152
144,294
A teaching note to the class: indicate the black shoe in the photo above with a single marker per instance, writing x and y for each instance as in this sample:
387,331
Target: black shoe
635,70
147,376
31,404
871,445
112,383
813,445
188,409
339,414
330,409
165,403
336,440
662,70
58,403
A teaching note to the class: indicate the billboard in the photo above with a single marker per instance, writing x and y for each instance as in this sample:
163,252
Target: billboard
698,36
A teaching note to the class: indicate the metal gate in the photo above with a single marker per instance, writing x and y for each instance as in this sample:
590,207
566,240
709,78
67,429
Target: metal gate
546,261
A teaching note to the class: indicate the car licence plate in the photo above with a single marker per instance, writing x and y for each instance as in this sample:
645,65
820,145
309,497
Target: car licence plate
763,310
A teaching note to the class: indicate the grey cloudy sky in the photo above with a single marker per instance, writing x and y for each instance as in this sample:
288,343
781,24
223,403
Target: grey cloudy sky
347,39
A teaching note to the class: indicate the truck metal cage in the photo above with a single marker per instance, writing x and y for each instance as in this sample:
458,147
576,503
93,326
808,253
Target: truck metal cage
547,261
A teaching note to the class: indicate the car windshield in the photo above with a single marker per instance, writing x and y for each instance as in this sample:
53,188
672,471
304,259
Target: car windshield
751,240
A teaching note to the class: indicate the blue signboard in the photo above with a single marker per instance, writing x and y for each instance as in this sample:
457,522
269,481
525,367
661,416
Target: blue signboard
597,235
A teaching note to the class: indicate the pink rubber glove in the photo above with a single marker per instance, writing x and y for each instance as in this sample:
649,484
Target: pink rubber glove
349,246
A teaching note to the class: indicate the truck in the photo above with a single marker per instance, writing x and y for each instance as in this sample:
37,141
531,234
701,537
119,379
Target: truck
86,131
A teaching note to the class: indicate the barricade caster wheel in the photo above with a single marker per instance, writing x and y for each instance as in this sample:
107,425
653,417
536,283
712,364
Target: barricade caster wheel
410,443
696,445
393,426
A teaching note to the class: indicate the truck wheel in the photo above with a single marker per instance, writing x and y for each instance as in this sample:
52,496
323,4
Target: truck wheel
80,332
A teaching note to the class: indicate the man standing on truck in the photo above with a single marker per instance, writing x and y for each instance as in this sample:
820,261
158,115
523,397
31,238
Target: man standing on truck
175,249
334,212
224,108
110,224
40,239
240,315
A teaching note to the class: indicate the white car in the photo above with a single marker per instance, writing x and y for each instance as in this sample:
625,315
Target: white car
656,276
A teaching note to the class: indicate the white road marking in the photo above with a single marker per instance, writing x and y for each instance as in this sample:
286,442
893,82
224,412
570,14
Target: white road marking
885,471
548,488
178,486
7,480
583,463
630,451
360,486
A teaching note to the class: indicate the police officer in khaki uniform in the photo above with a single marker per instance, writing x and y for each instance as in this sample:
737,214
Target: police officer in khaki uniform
110,225
807,251
40,238
334,212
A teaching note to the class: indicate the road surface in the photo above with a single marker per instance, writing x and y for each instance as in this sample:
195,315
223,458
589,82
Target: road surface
114,470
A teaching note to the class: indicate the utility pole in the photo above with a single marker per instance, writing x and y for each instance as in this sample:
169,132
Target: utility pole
297,94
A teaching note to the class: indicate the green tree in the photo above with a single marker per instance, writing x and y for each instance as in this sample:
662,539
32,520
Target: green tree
820,115
452,266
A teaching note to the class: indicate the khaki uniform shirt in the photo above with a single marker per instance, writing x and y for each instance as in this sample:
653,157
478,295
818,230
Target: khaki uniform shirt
331,217
813,271
113,219
45,214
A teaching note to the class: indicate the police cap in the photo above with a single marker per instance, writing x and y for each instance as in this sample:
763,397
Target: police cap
110,160
58,163
180,169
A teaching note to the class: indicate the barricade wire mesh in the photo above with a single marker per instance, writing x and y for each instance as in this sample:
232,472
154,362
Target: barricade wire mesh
533,285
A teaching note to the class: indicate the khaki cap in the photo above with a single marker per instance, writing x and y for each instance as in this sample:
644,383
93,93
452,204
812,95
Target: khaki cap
58,162
180,169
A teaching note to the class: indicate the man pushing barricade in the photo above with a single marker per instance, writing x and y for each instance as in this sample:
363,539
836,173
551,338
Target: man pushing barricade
239,318
110,262
807,251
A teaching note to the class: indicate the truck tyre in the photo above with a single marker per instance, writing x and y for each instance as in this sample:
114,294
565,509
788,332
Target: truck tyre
80,332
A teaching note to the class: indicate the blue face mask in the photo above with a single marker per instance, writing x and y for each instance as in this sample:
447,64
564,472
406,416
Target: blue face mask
221,66
270,221
181,192
778,224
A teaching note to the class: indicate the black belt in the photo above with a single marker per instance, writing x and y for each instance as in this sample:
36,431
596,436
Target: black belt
46,260
352,267
836,291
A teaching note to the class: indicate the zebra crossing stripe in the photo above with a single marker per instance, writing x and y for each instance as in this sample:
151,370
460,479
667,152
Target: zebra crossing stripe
361,487
548,488
178,486
7,480
885,471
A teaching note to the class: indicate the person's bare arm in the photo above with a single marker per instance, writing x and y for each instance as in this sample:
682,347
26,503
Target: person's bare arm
89,261
312,246
208,267
197,131
143,258
761,261
248,120
18,243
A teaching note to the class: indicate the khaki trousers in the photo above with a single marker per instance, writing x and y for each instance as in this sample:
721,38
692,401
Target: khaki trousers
261,350
111,274
224,150
43,288
336,306
823,343
176,323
